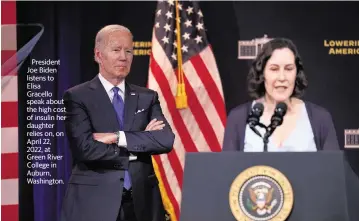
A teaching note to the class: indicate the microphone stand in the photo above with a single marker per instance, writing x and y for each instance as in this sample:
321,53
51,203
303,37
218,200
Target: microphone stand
262,125
265,142
270,129
255,130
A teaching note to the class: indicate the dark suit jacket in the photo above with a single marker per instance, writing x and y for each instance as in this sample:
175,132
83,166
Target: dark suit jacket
95,187
320,119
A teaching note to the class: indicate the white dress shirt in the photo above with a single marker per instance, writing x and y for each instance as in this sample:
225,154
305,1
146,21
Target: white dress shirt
108,87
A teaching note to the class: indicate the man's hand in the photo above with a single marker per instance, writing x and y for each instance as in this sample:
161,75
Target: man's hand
107,138
155,125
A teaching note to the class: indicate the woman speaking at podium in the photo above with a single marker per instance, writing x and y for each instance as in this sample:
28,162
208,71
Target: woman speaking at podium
277,120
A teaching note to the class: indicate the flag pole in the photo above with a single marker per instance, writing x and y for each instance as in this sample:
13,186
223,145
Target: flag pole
181,97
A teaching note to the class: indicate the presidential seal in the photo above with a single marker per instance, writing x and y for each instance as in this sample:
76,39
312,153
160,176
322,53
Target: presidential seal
261,193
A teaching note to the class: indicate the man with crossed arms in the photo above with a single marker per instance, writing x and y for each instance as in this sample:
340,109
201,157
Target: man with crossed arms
113,128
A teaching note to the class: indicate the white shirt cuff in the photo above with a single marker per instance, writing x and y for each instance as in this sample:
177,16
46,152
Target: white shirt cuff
122,142
133,157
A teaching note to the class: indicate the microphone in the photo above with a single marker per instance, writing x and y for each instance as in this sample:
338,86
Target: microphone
279,112
254,116
276,120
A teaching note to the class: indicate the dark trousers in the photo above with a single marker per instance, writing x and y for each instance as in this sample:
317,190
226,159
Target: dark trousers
127,212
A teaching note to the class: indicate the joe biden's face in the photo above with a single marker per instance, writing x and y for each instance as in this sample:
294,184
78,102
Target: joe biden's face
115,54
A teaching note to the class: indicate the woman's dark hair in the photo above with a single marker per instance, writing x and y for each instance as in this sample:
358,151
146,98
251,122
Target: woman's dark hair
256,73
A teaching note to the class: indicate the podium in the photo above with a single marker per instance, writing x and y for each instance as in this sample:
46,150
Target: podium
325,185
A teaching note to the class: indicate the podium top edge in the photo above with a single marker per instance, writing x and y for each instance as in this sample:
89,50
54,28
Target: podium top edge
326,152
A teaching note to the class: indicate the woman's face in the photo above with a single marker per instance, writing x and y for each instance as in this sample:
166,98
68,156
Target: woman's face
280,74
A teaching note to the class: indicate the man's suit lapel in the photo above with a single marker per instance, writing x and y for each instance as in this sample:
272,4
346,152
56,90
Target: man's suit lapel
102,100
131,99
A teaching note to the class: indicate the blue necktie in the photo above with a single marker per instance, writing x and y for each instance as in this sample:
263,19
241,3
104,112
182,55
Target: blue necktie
119,106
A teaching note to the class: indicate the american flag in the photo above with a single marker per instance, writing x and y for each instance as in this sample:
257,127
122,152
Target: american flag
200,126
9,116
